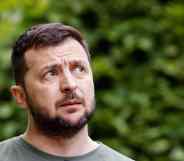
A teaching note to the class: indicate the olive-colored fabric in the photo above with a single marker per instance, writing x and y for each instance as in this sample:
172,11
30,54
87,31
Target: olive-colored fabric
17,149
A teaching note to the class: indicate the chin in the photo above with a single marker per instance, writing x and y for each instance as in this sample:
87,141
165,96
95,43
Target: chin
65,124
74,118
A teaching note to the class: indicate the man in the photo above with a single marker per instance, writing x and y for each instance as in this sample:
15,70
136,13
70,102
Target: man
54,84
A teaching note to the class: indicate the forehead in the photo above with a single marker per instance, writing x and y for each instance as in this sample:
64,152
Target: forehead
68,50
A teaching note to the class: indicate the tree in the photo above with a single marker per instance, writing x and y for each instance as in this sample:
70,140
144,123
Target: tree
137,53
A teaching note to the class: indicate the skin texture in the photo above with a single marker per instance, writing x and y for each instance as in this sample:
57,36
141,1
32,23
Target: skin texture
58,84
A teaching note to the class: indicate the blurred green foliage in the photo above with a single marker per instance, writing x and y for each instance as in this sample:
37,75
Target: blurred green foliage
137,50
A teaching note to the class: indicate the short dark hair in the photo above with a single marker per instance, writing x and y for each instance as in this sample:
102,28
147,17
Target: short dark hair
39,36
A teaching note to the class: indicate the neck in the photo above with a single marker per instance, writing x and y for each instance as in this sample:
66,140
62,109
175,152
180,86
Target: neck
61,146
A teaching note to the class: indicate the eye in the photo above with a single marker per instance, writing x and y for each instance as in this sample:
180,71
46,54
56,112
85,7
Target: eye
50,73
79,68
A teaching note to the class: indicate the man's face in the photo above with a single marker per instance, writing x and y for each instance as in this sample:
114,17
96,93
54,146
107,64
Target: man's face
59,87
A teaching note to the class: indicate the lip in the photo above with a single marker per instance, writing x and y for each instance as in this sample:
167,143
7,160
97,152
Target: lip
71,106
70,103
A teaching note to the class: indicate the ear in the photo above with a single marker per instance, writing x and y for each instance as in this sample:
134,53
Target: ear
18,93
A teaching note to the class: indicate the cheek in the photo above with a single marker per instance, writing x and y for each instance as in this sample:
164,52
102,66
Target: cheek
42,96
88,89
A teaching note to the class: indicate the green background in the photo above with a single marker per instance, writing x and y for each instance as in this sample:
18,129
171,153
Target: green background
138,62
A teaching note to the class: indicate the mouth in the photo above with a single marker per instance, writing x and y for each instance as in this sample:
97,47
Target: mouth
71,103
71,106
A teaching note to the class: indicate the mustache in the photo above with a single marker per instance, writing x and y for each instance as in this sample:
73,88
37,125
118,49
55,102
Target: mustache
72,96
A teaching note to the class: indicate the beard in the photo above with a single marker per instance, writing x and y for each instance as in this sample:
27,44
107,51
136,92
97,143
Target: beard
58,126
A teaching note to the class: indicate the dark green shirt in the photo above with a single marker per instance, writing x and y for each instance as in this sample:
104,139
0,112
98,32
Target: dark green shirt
17,149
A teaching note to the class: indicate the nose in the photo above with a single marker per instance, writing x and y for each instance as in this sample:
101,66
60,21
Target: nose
67,82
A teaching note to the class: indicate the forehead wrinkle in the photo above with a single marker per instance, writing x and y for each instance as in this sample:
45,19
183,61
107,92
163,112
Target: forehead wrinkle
60,54
54,52
71,57
64,62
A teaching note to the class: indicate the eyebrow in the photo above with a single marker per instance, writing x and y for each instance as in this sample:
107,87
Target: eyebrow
78,62
50,66
55,65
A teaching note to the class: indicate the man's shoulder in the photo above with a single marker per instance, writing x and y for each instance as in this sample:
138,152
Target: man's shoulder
7,142
6,148
113,154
